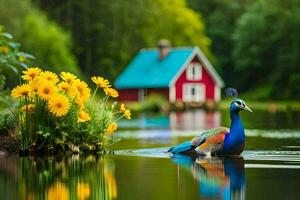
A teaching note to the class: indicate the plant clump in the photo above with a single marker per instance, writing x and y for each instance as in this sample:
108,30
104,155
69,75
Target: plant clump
58,113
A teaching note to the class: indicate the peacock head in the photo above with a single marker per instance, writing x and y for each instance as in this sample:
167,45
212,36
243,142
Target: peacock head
238,104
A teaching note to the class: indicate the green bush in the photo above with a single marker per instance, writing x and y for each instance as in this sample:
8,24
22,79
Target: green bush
48,42
154,102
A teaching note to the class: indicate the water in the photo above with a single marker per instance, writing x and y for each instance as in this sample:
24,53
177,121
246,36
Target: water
140,168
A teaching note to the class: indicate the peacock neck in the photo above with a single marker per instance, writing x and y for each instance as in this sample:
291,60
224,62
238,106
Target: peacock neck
236,127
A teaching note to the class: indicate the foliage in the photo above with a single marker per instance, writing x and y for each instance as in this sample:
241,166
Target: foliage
12,60
38,35
7,119
267,48
111,32
53,44
256,44
152,102
58,114
220,17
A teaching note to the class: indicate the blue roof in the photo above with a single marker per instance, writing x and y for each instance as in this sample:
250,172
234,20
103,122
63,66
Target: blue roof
147,71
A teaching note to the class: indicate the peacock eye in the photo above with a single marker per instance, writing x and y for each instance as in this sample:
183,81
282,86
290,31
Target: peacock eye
239,103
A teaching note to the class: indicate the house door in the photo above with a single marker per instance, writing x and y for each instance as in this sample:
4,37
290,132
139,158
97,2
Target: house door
193,92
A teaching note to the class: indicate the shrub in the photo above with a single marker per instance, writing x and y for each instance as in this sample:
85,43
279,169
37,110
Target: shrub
58,113
12,60
153,102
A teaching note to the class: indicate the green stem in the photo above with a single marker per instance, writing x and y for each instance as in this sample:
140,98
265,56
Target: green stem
94,95
120,118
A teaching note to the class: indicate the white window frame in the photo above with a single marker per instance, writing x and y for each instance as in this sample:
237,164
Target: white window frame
199,92
194,71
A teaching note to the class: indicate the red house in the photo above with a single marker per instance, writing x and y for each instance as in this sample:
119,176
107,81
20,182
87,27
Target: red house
179,74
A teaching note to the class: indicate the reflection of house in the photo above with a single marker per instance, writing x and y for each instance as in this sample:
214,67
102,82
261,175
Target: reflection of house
179,74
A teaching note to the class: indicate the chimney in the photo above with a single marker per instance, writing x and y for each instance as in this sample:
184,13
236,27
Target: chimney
164,48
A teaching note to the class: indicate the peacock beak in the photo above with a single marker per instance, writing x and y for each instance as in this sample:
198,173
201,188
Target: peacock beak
247,108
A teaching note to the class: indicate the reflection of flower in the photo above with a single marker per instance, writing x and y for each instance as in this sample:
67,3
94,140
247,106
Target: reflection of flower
111,182
58,191
83,191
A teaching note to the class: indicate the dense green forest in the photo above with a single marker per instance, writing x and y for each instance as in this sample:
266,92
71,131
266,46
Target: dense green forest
254,45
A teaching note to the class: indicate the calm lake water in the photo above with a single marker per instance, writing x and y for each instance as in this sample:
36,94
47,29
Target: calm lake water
140,168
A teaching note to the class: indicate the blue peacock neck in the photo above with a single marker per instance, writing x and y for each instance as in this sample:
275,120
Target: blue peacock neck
237,132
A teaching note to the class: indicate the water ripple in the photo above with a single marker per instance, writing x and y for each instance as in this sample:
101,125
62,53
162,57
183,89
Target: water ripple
270,159
167,133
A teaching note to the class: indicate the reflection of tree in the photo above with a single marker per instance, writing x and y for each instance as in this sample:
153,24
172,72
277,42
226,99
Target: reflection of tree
217,177
66,178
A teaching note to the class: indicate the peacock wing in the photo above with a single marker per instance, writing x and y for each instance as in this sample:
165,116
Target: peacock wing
210,140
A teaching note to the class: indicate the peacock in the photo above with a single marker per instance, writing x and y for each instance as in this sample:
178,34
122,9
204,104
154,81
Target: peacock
219,141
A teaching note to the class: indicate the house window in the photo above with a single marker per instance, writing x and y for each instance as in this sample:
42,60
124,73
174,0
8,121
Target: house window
194,71
193,92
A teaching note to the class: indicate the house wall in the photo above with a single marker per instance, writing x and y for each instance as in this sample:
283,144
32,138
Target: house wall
128,94
206,80
133,94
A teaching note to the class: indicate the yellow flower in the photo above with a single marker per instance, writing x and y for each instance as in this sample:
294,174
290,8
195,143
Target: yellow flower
58,191
111,128
83,116
49,76
72,91
83,191
31,73
84,92
21,91
111,92
100,82
127,114
122,108
4,49
68,77
46,90
64,86
35,84
59,105
28,108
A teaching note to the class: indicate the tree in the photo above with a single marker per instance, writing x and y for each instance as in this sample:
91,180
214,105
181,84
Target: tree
266,48
48,42
107,34
220,17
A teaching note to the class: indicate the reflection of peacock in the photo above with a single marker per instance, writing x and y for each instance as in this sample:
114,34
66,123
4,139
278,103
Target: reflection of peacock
218,141
217,177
